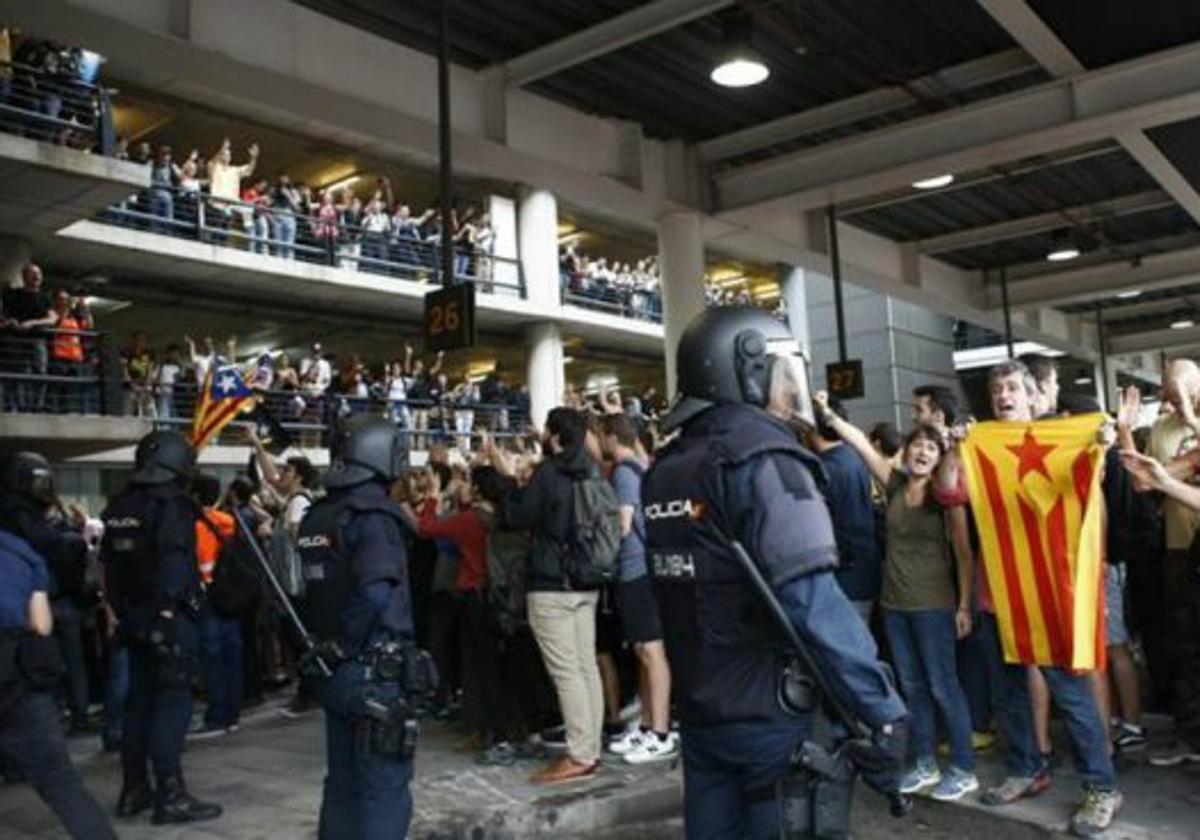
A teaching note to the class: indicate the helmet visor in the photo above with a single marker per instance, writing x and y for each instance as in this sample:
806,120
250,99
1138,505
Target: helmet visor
789,395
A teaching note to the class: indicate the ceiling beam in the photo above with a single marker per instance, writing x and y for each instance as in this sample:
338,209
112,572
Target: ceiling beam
605,37
1039,40
960,77
1167,339
1145,92
1067,217
1156,271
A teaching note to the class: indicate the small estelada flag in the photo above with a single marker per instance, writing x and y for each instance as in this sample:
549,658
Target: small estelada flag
224,396
1035,493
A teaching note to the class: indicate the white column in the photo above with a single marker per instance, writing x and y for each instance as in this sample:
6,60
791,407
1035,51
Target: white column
14,253
681,268
503,212
537,242
793,290
1109,388
547,380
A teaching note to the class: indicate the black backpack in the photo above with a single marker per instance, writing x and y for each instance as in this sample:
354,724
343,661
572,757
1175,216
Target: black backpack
236,586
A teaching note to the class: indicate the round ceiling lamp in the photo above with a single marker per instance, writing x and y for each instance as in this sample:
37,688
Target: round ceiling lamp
738,65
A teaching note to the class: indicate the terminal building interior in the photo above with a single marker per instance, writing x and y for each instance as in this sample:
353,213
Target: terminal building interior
918,190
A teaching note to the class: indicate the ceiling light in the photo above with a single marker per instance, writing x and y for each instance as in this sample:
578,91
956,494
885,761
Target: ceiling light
934,183
1132,293
1183,325
1062,254
739,72
1063,246
1084,380
738,65
341,184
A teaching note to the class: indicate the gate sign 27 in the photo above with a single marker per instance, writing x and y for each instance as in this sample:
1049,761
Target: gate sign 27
450,318
845,379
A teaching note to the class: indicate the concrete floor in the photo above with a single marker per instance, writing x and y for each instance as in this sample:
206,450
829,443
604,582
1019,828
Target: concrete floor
268,777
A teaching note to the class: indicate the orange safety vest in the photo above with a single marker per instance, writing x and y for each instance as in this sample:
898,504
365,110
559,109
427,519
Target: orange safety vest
208,544
67,346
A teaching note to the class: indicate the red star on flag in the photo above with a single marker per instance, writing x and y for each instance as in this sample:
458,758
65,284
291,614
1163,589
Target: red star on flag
1032,455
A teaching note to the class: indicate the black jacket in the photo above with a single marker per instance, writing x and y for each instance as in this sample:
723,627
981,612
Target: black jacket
544,507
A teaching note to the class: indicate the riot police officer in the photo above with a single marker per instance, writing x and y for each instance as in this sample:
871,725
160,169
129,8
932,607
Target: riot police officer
31,738
150,556
737,473
27,500
358,609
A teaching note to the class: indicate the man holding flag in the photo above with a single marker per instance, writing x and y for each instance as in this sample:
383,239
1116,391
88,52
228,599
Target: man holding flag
1034,489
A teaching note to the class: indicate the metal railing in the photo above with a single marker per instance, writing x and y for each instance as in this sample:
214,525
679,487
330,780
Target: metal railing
280,232
55,107
79,372
307,417
50,371
626,302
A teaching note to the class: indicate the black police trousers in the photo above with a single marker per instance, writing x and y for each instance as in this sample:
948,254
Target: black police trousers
31,741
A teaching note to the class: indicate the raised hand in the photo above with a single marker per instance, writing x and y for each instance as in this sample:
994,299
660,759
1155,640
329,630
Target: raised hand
1147,473
1130,409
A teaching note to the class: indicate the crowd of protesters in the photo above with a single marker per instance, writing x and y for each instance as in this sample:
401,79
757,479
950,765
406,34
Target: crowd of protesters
631,289
529,663
225,200
48,92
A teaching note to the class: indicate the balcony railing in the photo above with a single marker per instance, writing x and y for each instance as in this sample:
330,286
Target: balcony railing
79,372
55,108
626,302
289,235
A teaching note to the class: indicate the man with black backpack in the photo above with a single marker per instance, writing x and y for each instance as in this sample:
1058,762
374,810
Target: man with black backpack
573,513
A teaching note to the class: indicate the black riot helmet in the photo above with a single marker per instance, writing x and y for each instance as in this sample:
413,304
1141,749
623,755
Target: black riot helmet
739,354
29,476
366,448
163,457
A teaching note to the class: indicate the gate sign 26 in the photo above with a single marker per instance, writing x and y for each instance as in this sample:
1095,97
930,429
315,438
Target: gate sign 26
450,318
845,379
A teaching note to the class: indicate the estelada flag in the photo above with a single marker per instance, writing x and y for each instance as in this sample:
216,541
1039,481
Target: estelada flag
1035,493
224,396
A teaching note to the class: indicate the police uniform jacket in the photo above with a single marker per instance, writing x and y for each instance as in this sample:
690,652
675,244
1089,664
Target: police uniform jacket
737,471
352,558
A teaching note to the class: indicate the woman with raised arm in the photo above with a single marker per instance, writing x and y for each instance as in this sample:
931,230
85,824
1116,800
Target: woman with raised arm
925,611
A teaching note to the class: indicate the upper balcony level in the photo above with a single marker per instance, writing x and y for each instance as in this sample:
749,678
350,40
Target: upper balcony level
56,134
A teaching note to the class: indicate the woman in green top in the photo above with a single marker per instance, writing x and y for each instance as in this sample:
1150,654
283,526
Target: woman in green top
926,602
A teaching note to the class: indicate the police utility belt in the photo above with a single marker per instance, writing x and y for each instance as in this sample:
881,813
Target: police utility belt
399,681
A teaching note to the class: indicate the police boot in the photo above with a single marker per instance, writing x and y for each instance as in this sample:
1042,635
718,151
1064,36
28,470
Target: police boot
174,804
135,798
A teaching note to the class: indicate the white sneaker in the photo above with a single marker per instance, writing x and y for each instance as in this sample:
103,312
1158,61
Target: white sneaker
652,748
630,740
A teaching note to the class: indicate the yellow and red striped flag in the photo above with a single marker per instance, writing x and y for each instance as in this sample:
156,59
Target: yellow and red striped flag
1035,494
223,397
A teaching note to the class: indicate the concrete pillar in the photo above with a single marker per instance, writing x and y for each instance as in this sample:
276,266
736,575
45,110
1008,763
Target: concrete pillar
681,268
545,374
537,243
901,345
1107,393
793,290
14,253
505,267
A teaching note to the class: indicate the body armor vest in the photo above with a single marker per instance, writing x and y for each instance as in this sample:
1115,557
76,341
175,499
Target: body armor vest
726,655
131,526
325,564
